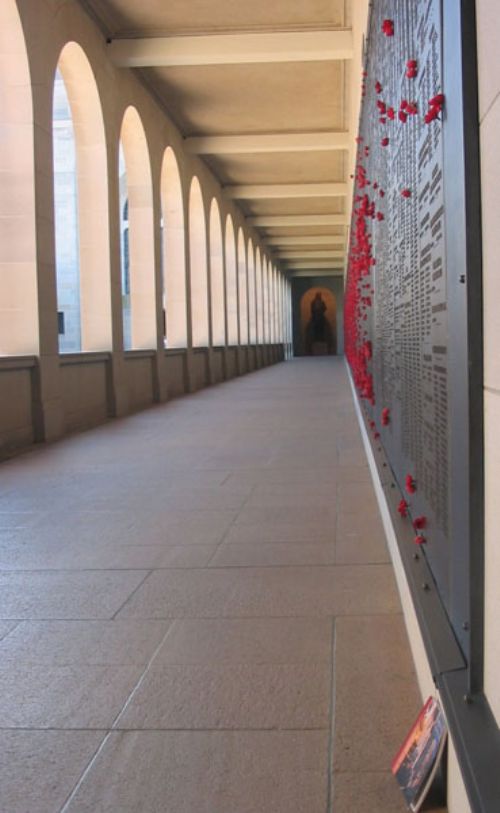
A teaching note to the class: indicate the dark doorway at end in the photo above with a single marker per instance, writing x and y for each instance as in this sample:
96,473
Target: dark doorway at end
317,316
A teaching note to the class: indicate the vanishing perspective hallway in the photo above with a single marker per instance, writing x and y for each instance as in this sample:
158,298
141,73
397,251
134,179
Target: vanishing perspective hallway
199,611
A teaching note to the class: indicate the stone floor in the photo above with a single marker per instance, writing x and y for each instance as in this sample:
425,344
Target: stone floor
198,611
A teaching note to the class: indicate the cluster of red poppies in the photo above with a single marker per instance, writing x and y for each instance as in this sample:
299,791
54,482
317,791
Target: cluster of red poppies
419,523
435,106
406,109
358,299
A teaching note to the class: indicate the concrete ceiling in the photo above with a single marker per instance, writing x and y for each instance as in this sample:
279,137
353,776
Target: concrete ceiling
262,91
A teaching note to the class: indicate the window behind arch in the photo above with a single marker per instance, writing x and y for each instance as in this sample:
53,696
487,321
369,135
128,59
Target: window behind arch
173,252
66,221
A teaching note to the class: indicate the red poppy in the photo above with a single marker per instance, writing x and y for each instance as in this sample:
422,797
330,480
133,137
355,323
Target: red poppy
406,193
380,216
431,115
437,101
410,484
391,114
388,28
403,509
384,142
419,523
420,540
378,87
386,416
402,116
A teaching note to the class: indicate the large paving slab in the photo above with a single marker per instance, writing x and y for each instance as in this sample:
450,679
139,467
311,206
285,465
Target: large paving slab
39,769
271,591
72,594
207,772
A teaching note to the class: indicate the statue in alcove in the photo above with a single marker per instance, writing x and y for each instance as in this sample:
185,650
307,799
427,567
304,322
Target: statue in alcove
319,338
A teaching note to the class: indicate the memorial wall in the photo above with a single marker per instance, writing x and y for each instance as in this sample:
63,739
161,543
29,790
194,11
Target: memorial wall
397,310
413,339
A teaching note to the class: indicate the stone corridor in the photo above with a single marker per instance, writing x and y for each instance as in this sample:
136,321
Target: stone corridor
198,611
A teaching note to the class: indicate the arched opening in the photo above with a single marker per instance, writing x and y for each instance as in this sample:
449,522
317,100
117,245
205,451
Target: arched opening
217,277
66,221
231,285
277,297
18,286
252,312
318,322
198,266
281,308
273,309
289,319
265,299
124,250
173,251
272,304
242,288
81,206
138,260
259,291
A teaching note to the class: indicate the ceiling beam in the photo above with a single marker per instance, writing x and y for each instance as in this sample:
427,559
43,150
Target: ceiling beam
311,255
309,240
308,272
302,263
232,49
298,220
268,143
285,190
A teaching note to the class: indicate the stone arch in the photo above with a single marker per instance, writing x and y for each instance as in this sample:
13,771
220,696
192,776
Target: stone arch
252,301
281,308
198,266
272,304
231,283
265,299
259,295
217,276
18,267
92,197
141,230
173,252
242,288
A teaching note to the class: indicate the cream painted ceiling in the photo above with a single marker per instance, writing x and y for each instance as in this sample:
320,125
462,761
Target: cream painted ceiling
251,95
